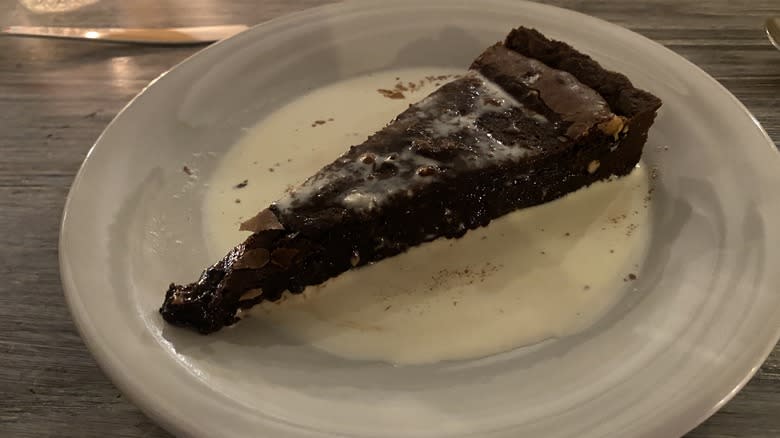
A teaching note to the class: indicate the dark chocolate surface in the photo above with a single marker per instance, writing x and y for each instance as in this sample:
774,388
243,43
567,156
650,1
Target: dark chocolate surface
463,156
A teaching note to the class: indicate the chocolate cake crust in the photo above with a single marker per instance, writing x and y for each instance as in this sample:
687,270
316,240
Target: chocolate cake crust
532,121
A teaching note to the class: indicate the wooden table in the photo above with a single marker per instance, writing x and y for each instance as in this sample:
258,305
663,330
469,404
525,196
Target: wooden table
56,98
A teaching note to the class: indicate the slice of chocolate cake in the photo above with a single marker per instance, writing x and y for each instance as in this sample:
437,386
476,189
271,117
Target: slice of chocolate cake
531,121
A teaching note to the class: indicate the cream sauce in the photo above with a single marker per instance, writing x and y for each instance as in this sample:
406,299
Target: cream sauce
540,273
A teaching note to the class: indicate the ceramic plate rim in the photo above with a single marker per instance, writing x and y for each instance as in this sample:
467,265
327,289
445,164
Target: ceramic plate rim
109,364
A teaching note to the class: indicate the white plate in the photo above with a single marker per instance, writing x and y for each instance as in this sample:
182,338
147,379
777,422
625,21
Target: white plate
656,366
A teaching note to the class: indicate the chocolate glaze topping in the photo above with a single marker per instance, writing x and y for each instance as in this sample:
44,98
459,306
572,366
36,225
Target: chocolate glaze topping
557,90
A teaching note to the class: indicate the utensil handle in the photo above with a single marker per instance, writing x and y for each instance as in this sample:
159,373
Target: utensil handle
165,36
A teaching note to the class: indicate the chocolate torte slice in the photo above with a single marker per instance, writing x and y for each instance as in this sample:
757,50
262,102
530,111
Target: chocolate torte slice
532,120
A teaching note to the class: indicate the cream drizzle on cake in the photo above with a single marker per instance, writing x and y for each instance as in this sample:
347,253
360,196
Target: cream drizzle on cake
439,121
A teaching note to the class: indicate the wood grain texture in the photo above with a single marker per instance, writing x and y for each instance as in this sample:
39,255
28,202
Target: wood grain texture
56,98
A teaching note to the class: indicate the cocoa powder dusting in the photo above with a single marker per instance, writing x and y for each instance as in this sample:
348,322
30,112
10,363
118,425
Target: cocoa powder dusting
391,94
